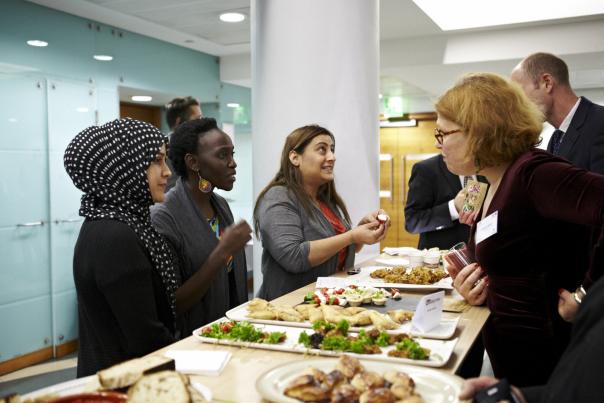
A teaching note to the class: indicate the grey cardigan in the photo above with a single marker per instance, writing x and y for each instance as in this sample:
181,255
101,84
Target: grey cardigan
181,222
286,231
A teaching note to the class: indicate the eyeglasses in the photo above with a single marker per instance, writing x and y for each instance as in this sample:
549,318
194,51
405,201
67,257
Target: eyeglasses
439,134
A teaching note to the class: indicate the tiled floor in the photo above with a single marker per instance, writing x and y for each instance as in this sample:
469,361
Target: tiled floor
39,376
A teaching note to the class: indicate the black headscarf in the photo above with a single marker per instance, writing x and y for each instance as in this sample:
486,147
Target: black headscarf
109,164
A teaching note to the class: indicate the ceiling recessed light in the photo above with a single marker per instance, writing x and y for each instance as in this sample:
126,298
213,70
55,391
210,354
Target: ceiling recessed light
12,120
233,105
82,109
141,98
232,17
37,43
103,58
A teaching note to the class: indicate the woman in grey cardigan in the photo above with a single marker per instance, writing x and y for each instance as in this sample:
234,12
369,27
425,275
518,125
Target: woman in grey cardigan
199,225
302,221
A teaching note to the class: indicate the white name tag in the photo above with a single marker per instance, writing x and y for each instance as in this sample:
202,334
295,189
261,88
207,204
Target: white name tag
486,227
428,312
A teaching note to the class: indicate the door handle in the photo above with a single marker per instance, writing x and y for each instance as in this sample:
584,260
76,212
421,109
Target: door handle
68,220
31,224
388,193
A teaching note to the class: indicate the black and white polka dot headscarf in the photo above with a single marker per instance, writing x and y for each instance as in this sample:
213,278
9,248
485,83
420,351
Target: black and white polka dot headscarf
109,164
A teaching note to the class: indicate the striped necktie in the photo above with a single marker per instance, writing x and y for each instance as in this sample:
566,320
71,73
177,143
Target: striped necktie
555,141
465,181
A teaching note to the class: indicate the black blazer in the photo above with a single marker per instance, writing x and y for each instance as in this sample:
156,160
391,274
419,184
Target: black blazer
578,375
431,186
583,142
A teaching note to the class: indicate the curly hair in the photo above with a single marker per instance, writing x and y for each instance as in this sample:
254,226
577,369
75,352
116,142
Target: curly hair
185,140
500,121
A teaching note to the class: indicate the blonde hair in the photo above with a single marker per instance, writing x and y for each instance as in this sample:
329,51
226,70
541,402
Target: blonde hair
500,121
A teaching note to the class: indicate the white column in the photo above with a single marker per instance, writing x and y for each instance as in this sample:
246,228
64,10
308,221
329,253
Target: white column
317,61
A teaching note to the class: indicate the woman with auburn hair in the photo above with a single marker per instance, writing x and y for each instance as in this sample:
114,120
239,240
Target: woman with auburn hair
486,125
303,222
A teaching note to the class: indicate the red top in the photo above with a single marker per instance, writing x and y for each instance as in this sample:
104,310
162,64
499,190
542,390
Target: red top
339,228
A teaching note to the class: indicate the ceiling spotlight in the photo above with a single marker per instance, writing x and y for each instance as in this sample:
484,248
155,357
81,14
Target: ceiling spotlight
141,98
233,105
103,58
232,17
37,43
82,109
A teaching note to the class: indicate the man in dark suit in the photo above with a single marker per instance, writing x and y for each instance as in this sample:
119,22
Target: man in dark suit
579,123
433,204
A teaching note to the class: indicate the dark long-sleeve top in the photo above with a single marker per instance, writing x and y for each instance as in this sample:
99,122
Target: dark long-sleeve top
431,187
286,231
529,259
578,375
180,220
123,310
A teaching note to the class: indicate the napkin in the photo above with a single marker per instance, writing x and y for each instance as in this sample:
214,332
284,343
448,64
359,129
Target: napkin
210,363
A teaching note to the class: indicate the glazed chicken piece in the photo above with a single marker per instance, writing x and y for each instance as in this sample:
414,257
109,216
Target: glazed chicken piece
396,377
412,399
315,373
345,393
334,379
367,380
307,389
349,366
378,395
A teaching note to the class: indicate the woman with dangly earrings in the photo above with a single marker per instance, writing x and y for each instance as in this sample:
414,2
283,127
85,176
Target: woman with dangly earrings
198,224
303,223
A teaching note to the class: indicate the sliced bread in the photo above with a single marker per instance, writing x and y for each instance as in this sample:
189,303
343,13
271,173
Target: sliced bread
128,372
165,386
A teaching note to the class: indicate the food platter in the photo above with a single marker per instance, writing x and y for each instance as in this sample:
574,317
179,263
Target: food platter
434,386
364,279
440,350
445,330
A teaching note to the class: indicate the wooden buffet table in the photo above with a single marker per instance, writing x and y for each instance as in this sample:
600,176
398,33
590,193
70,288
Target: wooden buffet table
237,382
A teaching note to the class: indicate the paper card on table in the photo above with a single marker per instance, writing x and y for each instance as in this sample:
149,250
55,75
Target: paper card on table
332,282
428,312
199,362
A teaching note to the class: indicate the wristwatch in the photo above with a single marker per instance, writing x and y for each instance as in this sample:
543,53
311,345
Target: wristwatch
579,294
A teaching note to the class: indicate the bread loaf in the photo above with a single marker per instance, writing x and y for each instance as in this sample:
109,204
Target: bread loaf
129,372
165,386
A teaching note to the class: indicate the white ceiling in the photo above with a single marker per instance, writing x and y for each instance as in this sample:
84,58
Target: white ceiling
418,60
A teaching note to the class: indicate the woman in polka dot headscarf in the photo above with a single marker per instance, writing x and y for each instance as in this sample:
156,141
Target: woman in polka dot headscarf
123,269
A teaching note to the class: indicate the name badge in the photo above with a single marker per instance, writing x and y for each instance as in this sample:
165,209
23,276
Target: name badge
486,227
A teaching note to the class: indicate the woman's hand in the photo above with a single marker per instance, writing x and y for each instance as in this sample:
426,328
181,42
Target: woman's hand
468,218
368,234
567,306
452,268
472,284
235,237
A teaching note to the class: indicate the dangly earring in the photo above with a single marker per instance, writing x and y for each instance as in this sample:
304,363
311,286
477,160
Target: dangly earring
204,185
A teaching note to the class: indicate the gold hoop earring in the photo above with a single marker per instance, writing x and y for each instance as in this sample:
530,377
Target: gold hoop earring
204,185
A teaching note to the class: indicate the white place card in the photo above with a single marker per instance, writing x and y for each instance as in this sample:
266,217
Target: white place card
428,312
209,363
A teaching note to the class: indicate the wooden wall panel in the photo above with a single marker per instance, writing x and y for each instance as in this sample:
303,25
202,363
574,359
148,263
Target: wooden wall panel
400,143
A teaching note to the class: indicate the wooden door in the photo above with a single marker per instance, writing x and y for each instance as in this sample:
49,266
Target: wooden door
400,149
145,113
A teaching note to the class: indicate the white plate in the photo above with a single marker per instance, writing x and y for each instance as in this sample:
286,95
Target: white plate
434,386
91,384
392,261
80,385
444,331
364,279
440,351
402,251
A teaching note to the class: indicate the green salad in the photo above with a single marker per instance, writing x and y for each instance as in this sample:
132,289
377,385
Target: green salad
241,331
